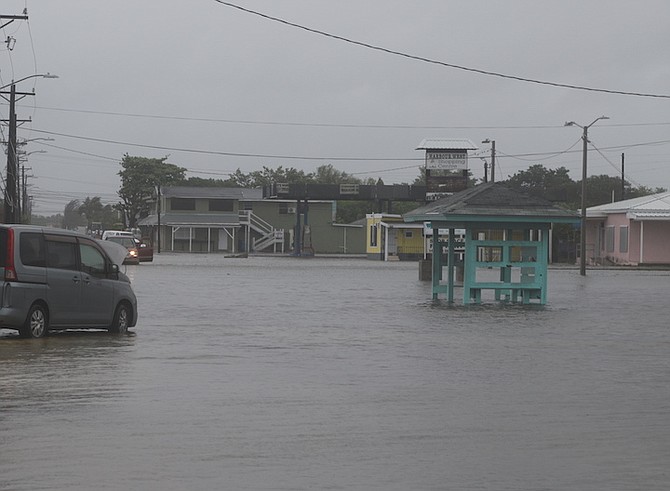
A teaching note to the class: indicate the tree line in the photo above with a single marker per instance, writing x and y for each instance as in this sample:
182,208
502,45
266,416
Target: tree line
142,176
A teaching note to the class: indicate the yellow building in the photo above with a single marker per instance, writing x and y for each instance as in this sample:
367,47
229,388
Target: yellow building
389,238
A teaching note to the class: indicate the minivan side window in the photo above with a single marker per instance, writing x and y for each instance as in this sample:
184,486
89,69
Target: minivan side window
31,249
61,254
92,261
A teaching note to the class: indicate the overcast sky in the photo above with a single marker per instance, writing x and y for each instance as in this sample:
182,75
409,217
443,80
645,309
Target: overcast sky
216,89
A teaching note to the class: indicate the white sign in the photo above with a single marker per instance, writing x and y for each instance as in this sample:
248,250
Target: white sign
348,188
447,160
436,196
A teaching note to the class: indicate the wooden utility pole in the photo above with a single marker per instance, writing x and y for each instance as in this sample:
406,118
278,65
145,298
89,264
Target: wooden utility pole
11,214
11,181
623,185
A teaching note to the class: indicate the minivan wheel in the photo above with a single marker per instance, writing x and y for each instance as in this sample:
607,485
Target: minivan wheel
121,320
37,322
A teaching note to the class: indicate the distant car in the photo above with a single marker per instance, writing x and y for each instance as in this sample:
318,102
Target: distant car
116,233
145,251
133,256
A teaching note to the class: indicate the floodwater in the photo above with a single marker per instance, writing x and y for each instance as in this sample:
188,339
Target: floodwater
304,374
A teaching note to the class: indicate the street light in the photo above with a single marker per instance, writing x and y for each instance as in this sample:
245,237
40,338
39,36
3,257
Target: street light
42,75
582,239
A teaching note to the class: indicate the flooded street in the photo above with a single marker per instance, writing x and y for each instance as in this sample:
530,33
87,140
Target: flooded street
304,374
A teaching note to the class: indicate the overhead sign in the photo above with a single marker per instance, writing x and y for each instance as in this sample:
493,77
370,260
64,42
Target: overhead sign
446,160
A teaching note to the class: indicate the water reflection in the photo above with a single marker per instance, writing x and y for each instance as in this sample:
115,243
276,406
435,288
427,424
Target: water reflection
69,367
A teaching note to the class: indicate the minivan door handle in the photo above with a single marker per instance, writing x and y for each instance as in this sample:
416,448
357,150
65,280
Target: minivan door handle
76,279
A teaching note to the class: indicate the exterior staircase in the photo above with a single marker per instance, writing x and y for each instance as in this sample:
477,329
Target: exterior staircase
269,236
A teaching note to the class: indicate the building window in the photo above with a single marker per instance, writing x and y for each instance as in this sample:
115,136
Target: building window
409,234
183,233
373,235
221,205
182,204
623,238
283,208
247,205
609,238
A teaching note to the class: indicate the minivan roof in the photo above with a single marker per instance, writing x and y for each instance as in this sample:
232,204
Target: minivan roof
37,228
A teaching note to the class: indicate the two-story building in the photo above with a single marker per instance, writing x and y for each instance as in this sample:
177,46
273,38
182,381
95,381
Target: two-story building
238,220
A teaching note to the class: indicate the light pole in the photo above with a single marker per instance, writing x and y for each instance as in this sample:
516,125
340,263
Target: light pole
11,181
582,238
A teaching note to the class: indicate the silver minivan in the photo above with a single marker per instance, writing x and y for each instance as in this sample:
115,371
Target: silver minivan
55,279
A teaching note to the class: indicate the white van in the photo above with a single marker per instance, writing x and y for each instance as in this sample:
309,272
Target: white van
116,233
56,279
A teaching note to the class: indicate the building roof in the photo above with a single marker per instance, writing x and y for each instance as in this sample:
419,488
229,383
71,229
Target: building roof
651,207
491,202
211,192
446,144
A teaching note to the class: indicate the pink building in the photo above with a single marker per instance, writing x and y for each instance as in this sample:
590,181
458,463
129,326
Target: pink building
630,232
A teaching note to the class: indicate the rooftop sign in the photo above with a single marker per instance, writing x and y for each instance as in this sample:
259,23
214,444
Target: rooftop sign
446,160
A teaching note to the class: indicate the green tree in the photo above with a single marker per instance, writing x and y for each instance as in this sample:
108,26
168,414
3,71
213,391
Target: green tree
95,211
139,178
552,184
266,176
207,183
604,189
71,216
642,191
327,174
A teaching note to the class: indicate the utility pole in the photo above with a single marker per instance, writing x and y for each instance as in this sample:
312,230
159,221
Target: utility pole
12,214
10,181
158,212
11,178
493,161
25,207
623,185
582,235
11,18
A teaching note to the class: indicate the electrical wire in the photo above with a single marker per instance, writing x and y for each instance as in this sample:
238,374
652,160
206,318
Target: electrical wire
548,156
214,152
330,125
436,62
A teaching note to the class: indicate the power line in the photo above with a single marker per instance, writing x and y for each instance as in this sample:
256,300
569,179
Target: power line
305,124
521,156
436,62
328,125
228,154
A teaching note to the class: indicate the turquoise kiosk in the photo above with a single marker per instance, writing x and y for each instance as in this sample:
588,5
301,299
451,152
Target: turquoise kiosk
507,235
